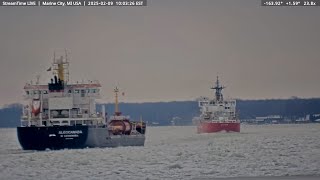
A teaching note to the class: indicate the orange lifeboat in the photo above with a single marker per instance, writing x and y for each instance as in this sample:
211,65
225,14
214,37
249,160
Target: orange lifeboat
35,107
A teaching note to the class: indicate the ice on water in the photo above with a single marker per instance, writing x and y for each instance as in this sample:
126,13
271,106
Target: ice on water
176,153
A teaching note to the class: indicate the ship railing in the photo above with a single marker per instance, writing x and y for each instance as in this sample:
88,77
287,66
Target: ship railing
24,117
59,116
76,115
119,117
45,116
86,116
79,121
76,119
224,121
96,115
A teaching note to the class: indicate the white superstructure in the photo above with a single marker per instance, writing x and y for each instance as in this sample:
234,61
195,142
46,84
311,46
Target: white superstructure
217,109
60,102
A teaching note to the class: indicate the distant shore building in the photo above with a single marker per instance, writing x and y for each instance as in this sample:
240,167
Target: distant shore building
271,119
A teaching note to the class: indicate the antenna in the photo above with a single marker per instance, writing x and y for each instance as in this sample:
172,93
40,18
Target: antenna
60,66
54,56
218,88
38,77
116,90
66,54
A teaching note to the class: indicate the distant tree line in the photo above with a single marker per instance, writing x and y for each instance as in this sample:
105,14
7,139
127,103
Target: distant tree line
10,115
289,108
158,112
164,112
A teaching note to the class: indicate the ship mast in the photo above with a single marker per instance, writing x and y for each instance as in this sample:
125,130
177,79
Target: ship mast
61,67
218,88
116,103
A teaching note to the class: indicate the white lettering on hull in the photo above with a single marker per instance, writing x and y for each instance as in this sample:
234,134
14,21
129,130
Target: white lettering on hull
70,132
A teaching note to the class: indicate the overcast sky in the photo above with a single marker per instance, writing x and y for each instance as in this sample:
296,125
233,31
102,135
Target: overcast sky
169,50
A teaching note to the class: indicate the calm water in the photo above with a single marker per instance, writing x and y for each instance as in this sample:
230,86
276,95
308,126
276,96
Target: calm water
176,153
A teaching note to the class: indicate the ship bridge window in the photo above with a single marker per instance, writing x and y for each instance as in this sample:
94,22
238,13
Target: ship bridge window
27,92
69,91
45,92
93,90
83,92
76,91
88,90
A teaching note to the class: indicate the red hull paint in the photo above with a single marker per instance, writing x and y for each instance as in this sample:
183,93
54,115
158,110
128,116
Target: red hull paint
211,127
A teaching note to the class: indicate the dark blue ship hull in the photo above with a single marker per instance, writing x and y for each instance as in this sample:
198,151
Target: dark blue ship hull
55,137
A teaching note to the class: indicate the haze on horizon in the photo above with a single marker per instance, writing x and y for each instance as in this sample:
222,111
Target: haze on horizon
167,51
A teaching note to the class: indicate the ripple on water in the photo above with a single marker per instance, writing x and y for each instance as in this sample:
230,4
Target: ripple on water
175,153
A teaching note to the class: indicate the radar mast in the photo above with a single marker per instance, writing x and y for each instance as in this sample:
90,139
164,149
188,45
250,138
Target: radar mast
218,88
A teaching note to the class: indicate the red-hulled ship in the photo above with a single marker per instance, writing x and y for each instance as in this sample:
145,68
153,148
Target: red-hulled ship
217,114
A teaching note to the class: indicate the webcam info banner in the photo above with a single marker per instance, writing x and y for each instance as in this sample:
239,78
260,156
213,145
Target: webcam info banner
74,3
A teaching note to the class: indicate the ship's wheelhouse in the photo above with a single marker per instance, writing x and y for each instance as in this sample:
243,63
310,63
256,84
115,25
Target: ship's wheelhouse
60,102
